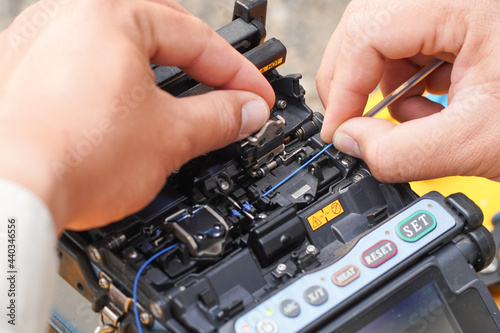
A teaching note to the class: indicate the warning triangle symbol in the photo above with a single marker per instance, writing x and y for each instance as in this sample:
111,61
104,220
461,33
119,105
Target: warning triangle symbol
317,222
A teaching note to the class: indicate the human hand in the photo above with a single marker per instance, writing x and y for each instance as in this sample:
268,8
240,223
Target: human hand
83,125
385,42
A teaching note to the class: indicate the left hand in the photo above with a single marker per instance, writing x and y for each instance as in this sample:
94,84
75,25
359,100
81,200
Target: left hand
82,124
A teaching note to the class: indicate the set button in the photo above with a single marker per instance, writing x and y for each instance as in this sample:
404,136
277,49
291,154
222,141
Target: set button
379,253
316,295
416,226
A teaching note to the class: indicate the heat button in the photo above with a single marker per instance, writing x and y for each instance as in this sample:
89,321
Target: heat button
345,276
379,253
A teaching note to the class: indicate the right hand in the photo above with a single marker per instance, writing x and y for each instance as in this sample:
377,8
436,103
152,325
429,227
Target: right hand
385,42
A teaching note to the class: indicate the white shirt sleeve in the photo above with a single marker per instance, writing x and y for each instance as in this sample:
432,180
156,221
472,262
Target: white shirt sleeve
27,260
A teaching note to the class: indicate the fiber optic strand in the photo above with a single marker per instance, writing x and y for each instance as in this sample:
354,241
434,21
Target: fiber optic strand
397,93
136,283
296,171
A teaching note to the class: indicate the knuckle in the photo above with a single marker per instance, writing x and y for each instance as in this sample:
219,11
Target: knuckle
353,8
366,24
323,79
320,81
226,121
204,39
357,34
382,167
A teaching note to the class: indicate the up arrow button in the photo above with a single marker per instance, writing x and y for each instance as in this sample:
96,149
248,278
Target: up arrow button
416,226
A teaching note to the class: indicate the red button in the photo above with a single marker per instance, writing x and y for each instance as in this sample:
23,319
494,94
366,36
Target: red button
379,253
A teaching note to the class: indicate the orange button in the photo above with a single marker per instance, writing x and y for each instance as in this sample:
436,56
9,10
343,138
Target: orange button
345,276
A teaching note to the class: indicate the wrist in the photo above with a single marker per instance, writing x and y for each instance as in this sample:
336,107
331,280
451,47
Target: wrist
27,162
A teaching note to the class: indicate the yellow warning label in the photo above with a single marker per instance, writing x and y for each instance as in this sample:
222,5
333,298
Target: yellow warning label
271,65
325,215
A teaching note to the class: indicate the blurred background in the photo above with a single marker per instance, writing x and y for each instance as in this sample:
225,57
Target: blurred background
10,8
304,27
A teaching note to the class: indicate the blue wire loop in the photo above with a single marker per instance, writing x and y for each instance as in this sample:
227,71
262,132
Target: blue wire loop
296,171
136,283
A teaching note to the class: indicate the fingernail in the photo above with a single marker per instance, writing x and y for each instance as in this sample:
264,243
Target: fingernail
346,144
254,115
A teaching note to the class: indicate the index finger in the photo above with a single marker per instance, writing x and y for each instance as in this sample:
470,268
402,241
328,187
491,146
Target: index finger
351,85
176,39
408,30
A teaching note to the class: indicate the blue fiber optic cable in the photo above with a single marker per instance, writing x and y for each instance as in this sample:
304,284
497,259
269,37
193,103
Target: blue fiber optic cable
136,283
296,171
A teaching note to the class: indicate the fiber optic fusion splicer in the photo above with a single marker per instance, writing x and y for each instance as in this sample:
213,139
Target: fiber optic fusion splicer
330,250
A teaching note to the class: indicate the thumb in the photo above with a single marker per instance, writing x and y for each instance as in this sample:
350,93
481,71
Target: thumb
215,119
419,149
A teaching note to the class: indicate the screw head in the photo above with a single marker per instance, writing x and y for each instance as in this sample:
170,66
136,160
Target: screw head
281,268
224,186
133,254
103,282
146,318
308,197
345,161
156,309
94,254
311,249
262,215
357,177
281,104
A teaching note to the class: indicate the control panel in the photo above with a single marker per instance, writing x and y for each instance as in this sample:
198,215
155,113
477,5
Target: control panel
394,243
